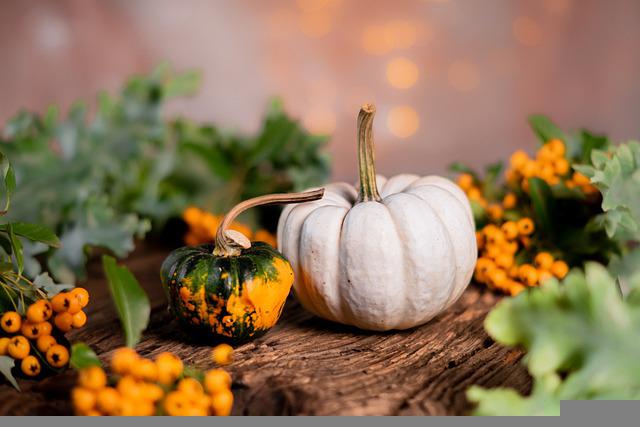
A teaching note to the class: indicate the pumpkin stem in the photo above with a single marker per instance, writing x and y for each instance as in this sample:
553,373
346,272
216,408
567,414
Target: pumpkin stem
231,242
366,166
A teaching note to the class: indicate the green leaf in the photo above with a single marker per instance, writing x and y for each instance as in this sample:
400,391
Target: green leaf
82,356
132,303
543,204
16,246
33,232
6,365
545,129
8,181
581,341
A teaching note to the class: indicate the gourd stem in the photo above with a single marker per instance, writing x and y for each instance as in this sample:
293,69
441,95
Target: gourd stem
225,245
366,163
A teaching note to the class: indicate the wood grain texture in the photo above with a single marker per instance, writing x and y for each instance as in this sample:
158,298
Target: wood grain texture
305,365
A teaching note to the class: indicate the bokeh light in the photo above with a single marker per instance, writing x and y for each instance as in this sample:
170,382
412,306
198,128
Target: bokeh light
403,121
320,120
402,73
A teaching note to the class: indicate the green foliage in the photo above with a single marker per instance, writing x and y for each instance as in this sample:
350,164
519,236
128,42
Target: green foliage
616,173
282,157
16,290
132,303
100,179
581,342
568,224
82,356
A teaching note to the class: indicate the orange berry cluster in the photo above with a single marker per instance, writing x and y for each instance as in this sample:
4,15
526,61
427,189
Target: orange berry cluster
35,329
144,387
495,211
496,266
550,164
203,226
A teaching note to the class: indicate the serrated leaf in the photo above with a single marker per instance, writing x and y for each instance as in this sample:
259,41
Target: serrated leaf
581,341
82,356
33,232
6,365
132,303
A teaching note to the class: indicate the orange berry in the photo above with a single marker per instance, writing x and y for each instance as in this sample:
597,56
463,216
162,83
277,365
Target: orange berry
92,378
509,247
18,347
222,354
518,159
63,321
45,328
144,369
190,386
474,194
514,287
556,147
483,266
525,226
479,240
543,260
545,154
561,166
492,251
30,366
79,319
65,301
495,212
559,269
30,330
130,388
544,275
39,311
108,400
175,404
509,201
82,295
497,277
11,322
580,179
509,230
4,344
504,261
57,356
513,271
83,399
528,274
192,215
495,237
222,402
465,181
123,360
570,184
169,367
216,380
526,241
151,392
529,169
45,342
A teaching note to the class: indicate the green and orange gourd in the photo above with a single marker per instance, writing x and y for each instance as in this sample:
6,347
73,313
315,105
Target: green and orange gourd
231,288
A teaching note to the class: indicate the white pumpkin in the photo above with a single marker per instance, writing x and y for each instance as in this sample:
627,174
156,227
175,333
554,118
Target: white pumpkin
380,260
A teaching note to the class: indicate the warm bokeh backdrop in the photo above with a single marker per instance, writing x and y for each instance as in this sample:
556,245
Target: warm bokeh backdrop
453,79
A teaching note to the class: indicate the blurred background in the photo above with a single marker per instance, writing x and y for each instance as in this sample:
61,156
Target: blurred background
452,79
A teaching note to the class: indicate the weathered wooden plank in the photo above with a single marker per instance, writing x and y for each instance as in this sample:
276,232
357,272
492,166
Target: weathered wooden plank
306,365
